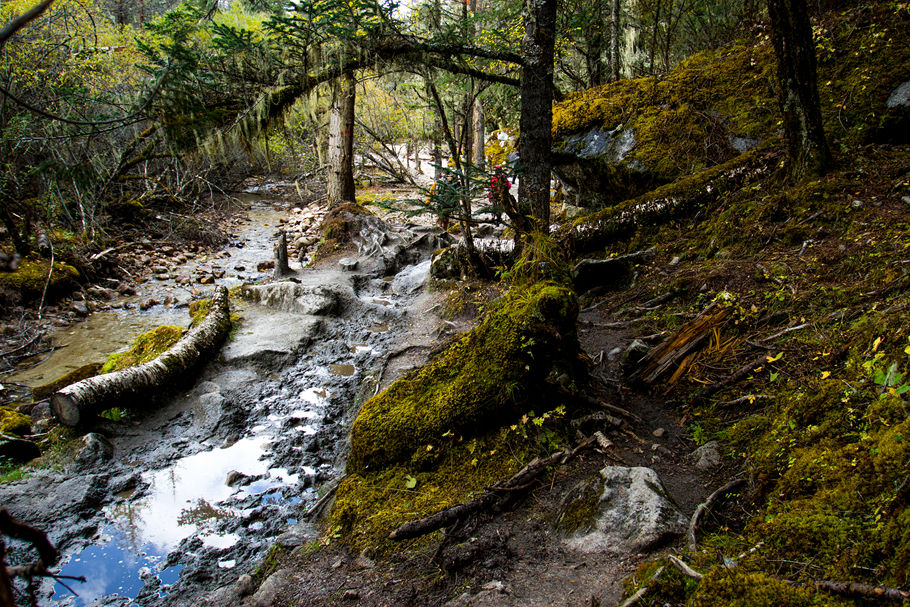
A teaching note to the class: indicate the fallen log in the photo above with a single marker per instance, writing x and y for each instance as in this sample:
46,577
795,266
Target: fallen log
89,396
863,591
491,498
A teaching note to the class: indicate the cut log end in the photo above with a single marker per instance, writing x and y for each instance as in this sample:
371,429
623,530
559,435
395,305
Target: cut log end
66,409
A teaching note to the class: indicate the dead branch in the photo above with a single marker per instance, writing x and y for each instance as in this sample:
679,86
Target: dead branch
784,332
716,387
22,20
747,398
685,569
704,508
489,499
864,591
622,412
643,590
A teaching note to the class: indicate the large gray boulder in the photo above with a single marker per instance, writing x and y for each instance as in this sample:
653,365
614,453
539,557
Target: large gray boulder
623,511
289,296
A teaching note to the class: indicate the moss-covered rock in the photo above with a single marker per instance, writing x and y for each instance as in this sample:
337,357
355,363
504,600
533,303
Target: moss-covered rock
147,346
31,276
622,139
489,376
14,422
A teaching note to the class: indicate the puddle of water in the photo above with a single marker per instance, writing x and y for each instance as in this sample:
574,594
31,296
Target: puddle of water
379,328
181,499
111,568
342,370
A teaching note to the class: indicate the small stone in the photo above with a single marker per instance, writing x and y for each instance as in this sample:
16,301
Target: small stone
707,456
207,280
351,595
857,204
496,586
262,266
80,308
148,303
675,260
233,477
240,268
659,433
245,585
338,563
348,264
905,199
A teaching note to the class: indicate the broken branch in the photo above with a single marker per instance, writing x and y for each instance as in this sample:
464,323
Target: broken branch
704,508
489,499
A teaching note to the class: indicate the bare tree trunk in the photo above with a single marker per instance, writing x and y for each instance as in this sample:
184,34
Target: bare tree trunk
537,49
615,59
654,32
791,33
340,183
594,41
479,133
82,399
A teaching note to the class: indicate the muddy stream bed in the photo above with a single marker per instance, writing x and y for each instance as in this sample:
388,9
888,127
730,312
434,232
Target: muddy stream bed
187,495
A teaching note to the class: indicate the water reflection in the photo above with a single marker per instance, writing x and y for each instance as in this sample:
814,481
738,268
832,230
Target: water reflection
114,567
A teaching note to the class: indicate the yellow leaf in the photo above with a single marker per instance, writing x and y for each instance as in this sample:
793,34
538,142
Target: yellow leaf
826,374
876,343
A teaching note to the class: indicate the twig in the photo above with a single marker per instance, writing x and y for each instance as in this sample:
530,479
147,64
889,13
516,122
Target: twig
50,272
704,393
685,569
644,589
704,508
784,332
621,411
857,590
742,399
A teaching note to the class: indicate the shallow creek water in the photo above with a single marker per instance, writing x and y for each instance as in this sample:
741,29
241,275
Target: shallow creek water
201,487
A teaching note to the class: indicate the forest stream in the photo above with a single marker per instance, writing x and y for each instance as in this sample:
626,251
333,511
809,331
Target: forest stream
189,495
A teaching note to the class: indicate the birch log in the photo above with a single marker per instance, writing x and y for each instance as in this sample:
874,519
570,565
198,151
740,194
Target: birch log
90,396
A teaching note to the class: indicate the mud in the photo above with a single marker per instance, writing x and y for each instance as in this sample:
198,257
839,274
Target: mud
193,493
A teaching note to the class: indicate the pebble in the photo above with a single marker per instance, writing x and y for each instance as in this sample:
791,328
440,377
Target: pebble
351,595
659,433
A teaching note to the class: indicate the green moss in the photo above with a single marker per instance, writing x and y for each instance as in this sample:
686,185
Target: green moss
581,511
682,123
83,372
147,346
30,277
489,376
733,588
14,422
199,309
370,505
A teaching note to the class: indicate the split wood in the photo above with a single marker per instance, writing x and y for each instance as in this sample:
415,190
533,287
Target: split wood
491,498
673,351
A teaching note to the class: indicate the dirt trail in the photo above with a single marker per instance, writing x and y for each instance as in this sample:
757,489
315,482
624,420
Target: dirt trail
518,557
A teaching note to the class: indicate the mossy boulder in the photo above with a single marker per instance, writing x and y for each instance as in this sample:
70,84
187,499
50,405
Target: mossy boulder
31,276
622,139
734,588
147,346
490,376
13,422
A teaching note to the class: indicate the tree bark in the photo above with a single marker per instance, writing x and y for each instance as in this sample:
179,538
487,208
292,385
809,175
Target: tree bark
340,186
281,256
537,48
79,401
791,33
615,59
479,133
